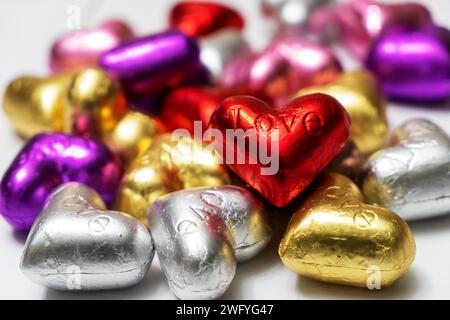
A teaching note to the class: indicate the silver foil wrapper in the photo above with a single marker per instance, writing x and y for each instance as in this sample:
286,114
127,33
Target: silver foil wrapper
412,176
75,244
200,233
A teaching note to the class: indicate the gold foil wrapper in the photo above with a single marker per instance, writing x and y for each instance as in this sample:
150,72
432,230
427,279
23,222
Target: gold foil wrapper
35,105
134,134
359,93
168,165
335,237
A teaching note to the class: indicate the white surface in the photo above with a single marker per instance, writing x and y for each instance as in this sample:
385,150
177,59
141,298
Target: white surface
27,29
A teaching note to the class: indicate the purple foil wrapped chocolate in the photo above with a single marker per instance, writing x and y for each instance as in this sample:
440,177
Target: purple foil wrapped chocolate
149,66
413,66
47,161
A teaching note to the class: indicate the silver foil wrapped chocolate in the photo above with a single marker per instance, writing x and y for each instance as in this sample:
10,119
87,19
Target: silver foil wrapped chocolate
76,244
200,233
221,50
412,176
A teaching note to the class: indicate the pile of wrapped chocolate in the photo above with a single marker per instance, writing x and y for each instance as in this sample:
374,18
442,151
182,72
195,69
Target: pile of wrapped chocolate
189,144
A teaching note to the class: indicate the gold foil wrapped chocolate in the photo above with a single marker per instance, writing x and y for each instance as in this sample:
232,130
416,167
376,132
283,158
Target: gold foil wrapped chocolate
34,105
335,237
133,135
168,165
87,103
359,93
94,104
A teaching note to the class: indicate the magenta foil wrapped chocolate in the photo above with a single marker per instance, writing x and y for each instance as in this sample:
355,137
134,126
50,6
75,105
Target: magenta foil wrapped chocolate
359,23
413,66
47,161
286,66
150,66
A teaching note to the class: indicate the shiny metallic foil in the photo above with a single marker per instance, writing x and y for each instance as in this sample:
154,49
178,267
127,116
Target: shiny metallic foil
350,162
47,161
359,93
34,105
76,244
335,237
133,135
412,175
168,165
82,49
94,104
291,13
221,49
86,103
199,233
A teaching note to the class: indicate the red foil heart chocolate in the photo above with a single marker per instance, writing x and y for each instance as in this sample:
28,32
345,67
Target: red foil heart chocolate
197,19
308,134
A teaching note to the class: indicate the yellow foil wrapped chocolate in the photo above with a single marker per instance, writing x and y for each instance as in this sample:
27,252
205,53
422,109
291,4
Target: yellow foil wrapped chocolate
335,237
34,105
168,165
359,93
87,103
94,105
133,135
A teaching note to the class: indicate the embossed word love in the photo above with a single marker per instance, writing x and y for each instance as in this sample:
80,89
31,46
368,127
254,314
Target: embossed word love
307,134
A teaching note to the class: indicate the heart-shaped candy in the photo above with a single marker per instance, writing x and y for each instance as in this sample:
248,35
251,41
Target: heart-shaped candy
170,164
198,232
75,244
302,139
196,18
83,48
359,93
359,23
86,103
413,66
221,51
35,105
150,66
132,135
335,237
286,66
412,176
47,161
94,104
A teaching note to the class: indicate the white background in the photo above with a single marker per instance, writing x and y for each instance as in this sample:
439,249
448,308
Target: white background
27,29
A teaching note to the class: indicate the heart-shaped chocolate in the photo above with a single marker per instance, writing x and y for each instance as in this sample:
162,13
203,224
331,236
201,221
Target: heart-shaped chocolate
335,237
359,23
170,164
221,51
301,139
47,161
360,95
412,176
83,48
94,104
286,66
199,232
75,244
35,105
149,67
197,18
86,103
132,135
413,66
